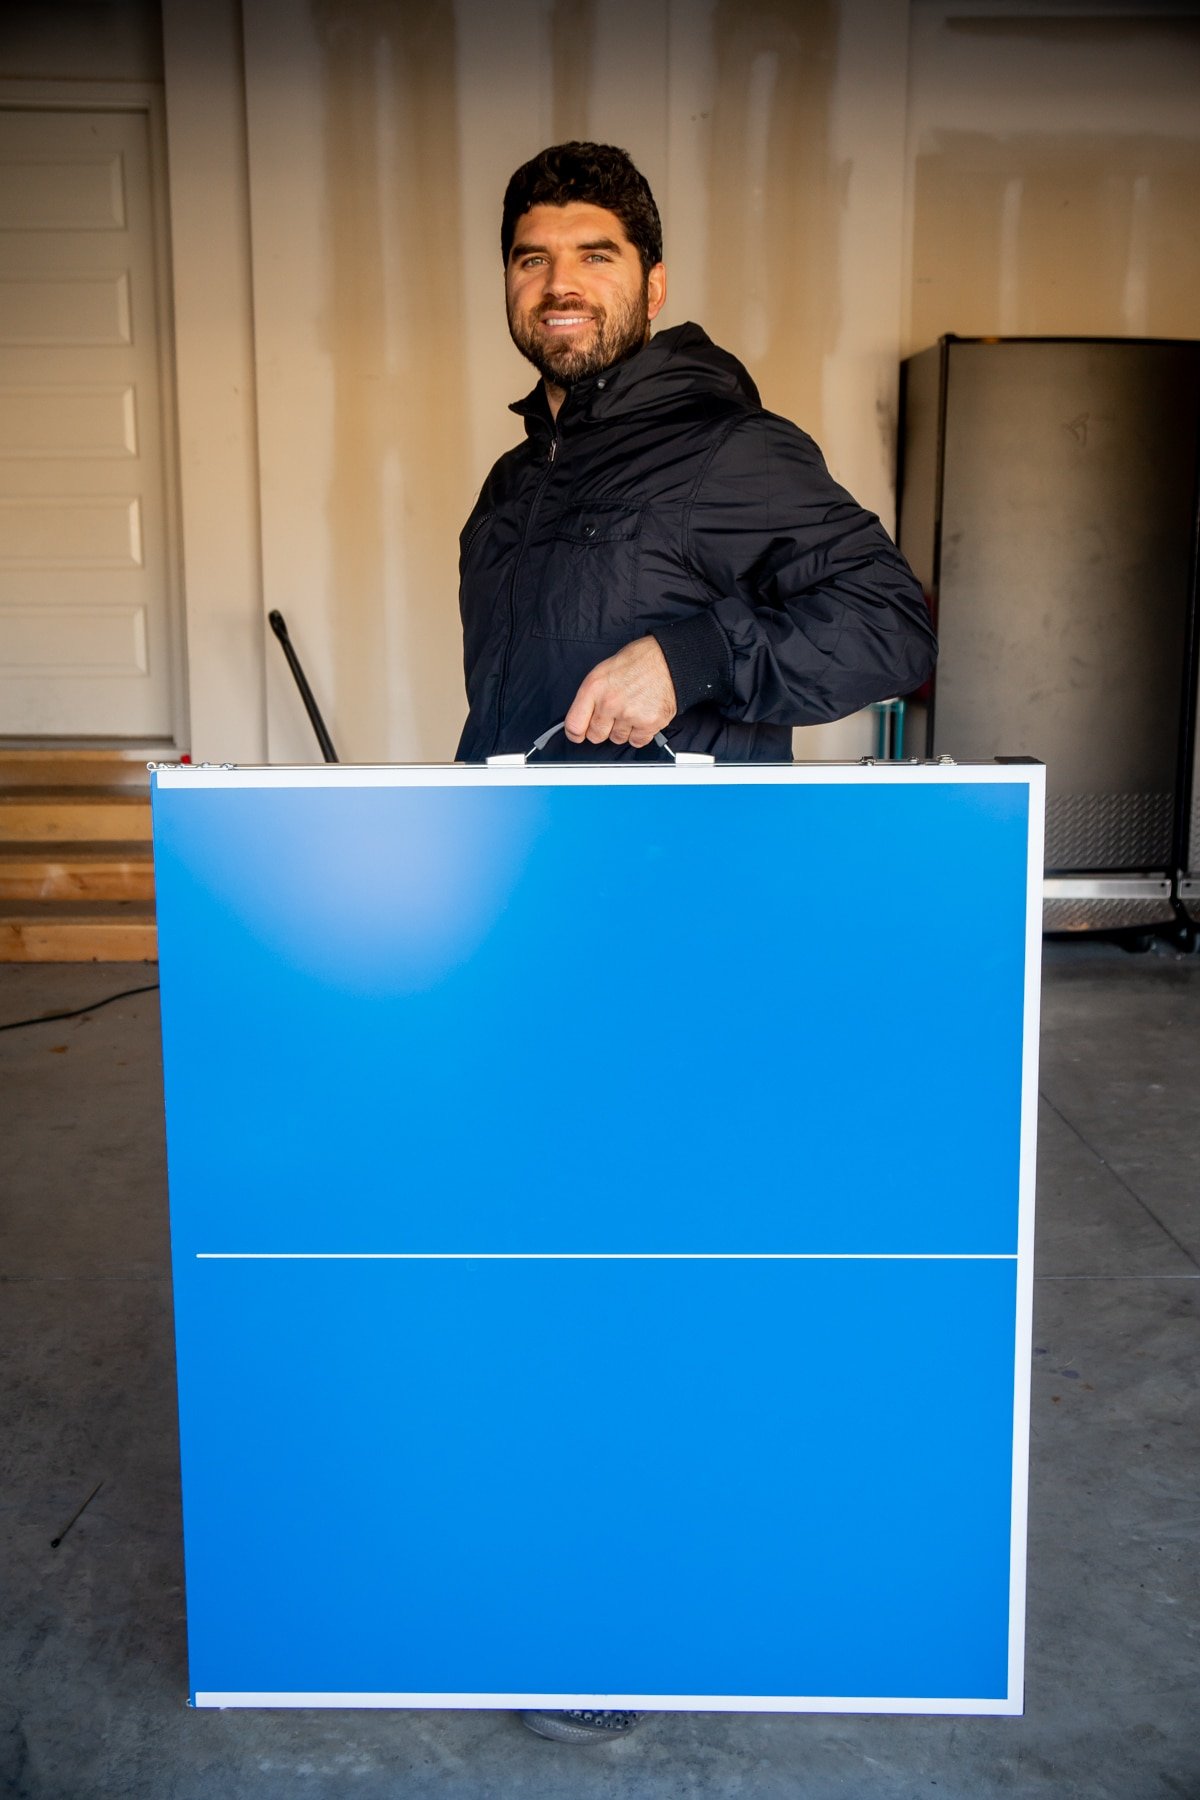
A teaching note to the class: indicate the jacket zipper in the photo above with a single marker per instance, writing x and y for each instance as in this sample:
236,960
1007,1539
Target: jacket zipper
512,589
474,537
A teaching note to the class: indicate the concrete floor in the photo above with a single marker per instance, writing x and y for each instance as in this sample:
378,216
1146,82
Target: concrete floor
92,1632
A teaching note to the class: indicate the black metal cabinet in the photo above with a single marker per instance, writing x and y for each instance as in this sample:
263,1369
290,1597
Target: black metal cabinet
1049,503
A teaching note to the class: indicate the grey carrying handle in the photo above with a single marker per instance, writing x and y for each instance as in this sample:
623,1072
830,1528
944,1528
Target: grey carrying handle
517,760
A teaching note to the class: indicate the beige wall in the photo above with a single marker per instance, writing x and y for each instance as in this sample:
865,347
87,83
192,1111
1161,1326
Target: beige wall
841,181
215,380
380,137
1055,172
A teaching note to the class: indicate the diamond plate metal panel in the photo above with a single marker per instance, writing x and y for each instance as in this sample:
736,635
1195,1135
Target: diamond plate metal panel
1103,915
1109,831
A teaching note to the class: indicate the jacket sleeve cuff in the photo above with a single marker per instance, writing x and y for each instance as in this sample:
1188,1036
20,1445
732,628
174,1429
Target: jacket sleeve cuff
699,658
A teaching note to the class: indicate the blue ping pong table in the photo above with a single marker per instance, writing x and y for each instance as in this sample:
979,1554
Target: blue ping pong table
573,1308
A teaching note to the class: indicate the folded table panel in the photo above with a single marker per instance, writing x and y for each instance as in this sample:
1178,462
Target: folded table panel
577,1301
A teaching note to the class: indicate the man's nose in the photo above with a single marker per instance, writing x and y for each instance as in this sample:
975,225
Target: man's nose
561,281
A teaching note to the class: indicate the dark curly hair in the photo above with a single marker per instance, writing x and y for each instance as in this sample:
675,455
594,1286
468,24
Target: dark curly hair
598,174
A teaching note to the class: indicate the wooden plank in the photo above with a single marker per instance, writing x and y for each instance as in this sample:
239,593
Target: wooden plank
79,931
38,871
73,765
76,869
74,814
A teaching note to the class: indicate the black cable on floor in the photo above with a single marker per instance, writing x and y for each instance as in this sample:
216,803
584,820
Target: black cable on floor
49,1018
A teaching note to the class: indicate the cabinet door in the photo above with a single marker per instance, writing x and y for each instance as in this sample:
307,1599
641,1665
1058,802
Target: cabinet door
1065,555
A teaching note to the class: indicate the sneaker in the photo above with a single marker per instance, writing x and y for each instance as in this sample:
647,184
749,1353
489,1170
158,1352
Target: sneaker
581,1727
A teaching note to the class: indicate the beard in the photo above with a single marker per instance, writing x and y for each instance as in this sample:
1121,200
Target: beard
615,333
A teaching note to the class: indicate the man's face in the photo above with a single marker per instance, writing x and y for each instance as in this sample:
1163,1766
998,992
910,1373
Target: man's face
578,298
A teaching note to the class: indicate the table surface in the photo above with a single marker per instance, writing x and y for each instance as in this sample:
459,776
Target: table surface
581,1298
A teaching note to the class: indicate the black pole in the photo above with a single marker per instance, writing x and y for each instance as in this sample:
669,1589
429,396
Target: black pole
278,625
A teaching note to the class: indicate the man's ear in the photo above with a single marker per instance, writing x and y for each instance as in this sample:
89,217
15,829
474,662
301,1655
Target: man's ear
656,290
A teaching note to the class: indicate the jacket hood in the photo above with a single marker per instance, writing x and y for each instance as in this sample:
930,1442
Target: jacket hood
677,364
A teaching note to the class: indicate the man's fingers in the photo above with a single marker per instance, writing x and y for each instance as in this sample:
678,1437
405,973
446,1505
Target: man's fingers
576,723
625,699
592,715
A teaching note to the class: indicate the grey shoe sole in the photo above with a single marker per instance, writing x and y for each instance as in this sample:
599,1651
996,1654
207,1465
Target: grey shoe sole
582,1727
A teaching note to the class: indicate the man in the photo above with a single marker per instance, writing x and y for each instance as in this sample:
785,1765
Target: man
661,553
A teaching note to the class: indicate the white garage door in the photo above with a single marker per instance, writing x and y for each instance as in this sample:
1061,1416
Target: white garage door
85,612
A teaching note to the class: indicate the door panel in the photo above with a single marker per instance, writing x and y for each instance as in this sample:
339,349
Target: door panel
85,590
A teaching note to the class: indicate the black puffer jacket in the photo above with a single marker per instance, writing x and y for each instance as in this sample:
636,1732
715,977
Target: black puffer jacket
666,502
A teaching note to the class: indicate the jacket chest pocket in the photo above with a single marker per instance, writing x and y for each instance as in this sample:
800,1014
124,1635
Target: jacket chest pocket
587,581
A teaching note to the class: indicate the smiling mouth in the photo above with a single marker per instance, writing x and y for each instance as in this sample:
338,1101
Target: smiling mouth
565,321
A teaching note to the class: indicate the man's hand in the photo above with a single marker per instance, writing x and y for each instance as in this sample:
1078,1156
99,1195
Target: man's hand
625,699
